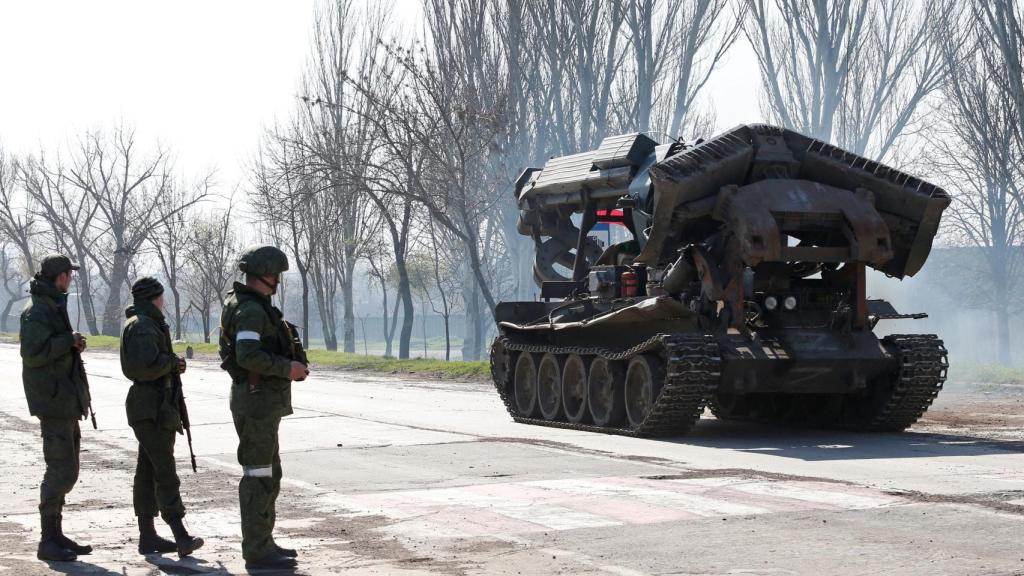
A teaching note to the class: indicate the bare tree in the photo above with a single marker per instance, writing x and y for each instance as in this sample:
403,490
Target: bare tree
212,247
850,71
999,24
978,152
281,199
378,261
71,218
336,140
13,282
18,222
16,229
675,46
125,188
437,277
170,240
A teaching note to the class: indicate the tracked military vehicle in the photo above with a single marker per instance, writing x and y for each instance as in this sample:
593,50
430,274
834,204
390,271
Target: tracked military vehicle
739,285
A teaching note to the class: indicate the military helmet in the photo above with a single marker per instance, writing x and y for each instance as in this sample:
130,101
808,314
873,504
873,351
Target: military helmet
263,261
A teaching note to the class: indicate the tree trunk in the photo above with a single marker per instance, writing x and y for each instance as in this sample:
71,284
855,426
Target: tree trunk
332,313
7,312
469,345
362,324
323,295
304,275
177,310
476,264
112,309
394,325
349,319
329,328
447,339
408,312
387,330
423,325
479,331
85,300
206,323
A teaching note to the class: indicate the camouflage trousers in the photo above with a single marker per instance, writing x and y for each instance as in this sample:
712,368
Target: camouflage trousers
62,443
156,477
260,484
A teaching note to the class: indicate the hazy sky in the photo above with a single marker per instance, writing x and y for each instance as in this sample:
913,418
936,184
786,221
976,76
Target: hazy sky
203,77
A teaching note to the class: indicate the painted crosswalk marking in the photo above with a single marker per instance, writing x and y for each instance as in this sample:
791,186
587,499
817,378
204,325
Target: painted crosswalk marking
566,504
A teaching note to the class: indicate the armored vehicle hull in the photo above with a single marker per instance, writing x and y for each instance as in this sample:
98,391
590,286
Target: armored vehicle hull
740,287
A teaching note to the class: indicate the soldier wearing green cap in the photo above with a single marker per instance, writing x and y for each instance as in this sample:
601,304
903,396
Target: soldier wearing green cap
263,355
148,360
57,394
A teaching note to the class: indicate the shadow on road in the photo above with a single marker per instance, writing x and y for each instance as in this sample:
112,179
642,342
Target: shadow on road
821,445
80,567
185,566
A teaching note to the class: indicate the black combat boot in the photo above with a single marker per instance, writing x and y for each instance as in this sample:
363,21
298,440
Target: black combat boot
272,561
286,552
49,547
185,543
149,541
79,549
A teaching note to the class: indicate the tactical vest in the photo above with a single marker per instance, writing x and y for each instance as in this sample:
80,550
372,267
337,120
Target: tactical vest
286,341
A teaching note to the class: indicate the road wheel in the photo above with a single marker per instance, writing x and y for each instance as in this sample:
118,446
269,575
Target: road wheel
574,389
605,392
549,387
644,378
525,384
501,364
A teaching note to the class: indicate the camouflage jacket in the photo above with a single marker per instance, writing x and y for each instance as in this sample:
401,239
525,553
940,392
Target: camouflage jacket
149,362
52,387
251,341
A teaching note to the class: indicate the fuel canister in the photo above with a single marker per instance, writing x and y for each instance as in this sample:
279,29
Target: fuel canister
630,284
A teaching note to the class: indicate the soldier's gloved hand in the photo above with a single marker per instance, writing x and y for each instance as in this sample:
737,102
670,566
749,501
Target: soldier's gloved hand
181,365
79,342
298,372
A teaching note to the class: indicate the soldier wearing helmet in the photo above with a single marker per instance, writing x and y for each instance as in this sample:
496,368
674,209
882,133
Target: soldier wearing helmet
263,355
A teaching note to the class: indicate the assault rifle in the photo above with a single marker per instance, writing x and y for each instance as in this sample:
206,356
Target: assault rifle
295,350
78,375
185,423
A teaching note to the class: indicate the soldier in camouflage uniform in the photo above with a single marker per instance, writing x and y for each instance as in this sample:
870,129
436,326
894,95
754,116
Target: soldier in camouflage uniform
263,356
153,413
57,394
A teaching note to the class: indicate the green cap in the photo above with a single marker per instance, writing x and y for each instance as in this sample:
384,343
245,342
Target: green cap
55,264
263,261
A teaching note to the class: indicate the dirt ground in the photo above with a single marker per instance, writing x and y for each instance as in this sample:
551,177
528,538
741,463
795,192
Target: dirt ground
327,535
980,410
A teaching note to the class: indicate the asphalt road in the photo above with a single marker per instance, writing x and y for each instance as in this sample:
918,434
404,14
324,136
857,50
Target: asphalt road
390,475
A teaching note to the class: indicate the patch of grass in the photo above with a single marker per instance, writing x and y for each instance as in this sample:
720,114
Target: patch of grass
987,373
113,344
347,361
197,347
105,343
340,360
